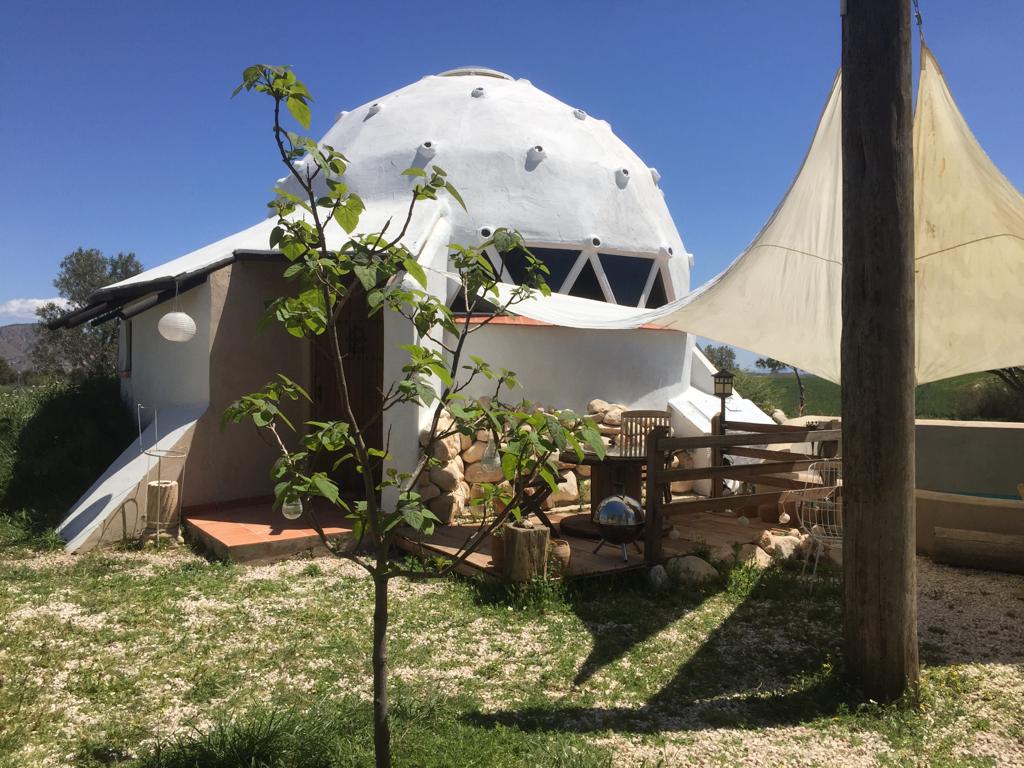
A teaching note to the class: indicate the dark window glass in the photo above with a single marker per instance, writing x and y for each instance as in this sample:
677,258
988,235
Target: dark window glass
557,261
627,276
586,285
657,297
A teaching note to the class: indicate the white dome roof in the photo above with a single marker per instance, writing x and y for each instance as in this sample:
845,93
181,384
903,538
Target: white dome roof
520,158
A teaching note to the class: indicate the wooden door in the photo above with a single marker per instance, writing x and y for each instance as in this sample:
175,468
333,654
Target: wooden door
361,339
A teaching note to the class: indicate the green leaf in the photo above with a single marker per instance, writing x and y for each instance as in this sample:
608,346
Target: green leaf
347,214
442,372
413,268
414,172
300,111
455,193
326,487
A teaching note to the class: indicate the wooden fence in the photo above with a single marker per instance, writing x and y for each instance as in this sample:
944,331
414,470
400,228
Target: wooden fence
748,441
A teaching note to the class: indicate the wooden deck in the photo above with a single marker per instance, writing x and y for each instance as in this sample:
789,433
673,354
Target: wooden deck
249,531
702,530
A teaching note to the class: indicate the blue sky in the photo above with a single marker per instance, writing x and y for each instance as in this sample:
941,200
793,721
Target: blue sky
118,132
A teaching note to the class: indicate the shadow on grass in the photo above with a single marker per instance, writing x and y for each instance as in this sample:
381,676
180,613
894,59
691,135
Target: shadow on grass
618,609
622,613
768,663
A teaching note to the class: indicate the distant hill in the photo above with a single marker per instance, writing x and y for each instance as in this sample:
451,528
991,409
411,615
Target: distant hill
16,344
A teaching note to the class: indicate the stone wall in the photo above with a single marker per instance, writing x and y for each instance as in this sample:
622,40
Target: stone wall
452,490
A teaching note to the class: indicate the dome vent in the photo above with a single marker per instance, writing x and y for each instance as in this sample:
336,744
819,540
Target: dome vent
480,71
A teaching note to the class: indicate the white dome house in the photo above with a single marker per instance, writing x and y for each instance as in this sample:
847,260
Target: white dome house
582,199
584,203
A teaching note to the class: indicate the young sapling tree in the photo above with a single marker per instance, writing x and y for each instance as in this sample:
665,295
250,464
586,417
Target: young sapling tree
330,265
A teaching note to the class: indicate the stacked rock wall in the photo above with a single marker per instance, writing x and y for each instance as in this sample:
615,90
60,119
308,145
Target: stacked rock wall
452,490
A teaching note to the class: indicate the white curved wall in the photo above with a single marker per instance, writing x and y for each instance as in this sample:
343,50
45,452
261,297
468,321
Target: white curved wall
568,367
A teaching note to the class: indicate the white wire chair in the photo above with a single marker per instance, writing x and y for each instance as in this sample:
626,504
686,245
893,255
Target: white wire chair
822,519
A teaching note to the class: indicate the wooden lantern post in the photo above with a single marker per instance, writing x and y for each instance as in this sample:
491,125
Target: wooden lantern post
880,597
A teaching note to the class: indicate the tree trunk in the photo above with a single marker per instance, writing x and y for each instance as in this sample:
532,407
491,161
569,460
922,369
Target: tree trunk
880,598
381,725
803,393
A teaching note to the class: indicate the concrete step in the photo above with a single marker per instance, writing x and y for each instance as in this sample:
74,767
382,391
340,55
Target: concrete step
256,533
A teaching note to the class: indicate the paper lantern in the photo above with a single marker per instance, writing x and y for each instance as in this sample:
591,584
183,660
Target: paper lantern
177,326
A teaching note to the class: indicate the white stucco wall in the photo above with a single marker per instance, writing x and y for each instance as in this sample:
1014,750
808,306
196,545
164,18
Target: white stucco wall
164,373
568,367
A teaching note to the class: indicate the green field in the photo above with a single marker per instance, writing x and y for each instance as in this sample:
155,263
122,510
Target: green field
949,399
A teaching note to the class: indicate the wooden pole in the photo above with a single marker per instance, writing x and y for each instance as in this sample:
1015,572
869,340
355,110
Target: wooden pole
653,532
880,597
716,452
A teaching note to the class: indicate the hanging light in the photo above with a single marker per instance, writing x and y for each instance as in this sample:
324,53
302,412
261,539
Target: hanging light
176,325
491,461
292,509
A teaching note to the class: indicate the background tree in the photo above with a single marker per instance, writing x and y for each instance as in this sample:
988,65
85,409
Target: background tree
7,373
87,348
379,270
773,365
723,357
1013,378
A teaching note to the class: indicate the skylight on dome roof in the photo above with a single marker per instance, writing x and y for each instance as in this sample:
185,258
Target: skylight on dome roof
481,71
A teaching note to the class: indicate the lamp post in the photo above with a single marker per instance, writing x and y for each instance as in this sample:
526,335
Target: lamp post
723,388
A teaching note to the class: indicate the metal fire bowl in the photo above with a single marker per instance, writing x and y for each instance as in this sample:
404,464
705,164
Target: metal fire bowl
620,519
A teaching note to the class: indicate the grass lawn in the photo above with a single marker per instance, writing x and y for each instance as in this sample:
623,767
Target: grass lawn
939,400
166,660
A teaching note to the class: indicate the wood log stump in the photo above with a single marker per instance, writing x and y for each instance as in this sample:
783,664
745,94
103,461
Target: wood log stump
526,552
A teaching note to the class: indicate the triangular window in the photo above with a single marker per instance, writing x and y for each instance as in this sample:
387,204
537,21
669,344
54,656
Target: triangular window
627,276
657,298
586,285
557,261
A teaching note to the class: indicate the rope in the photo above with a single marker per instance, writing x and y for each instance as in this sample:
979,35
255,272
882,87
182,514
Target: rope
920,21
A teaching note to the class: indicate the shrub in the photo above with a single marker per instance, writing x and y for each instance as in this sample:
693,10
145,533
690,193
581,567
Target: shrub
761,390
989,400
56,438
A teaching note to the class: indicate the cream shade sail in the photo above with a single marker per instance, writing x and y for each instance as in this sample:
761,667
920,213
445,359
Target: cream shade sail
782,296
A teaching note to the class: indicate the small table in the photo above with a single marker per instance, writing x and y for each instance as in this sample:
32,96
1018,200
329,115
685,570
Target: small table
613,470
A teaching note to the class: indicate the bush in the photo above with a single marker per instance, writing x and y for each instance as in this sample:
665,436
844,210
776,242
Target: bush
763,391
988,399
56,438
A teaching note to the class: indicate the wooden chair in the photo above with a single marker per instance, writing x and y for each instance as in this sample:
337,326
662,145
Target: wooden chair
636,425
